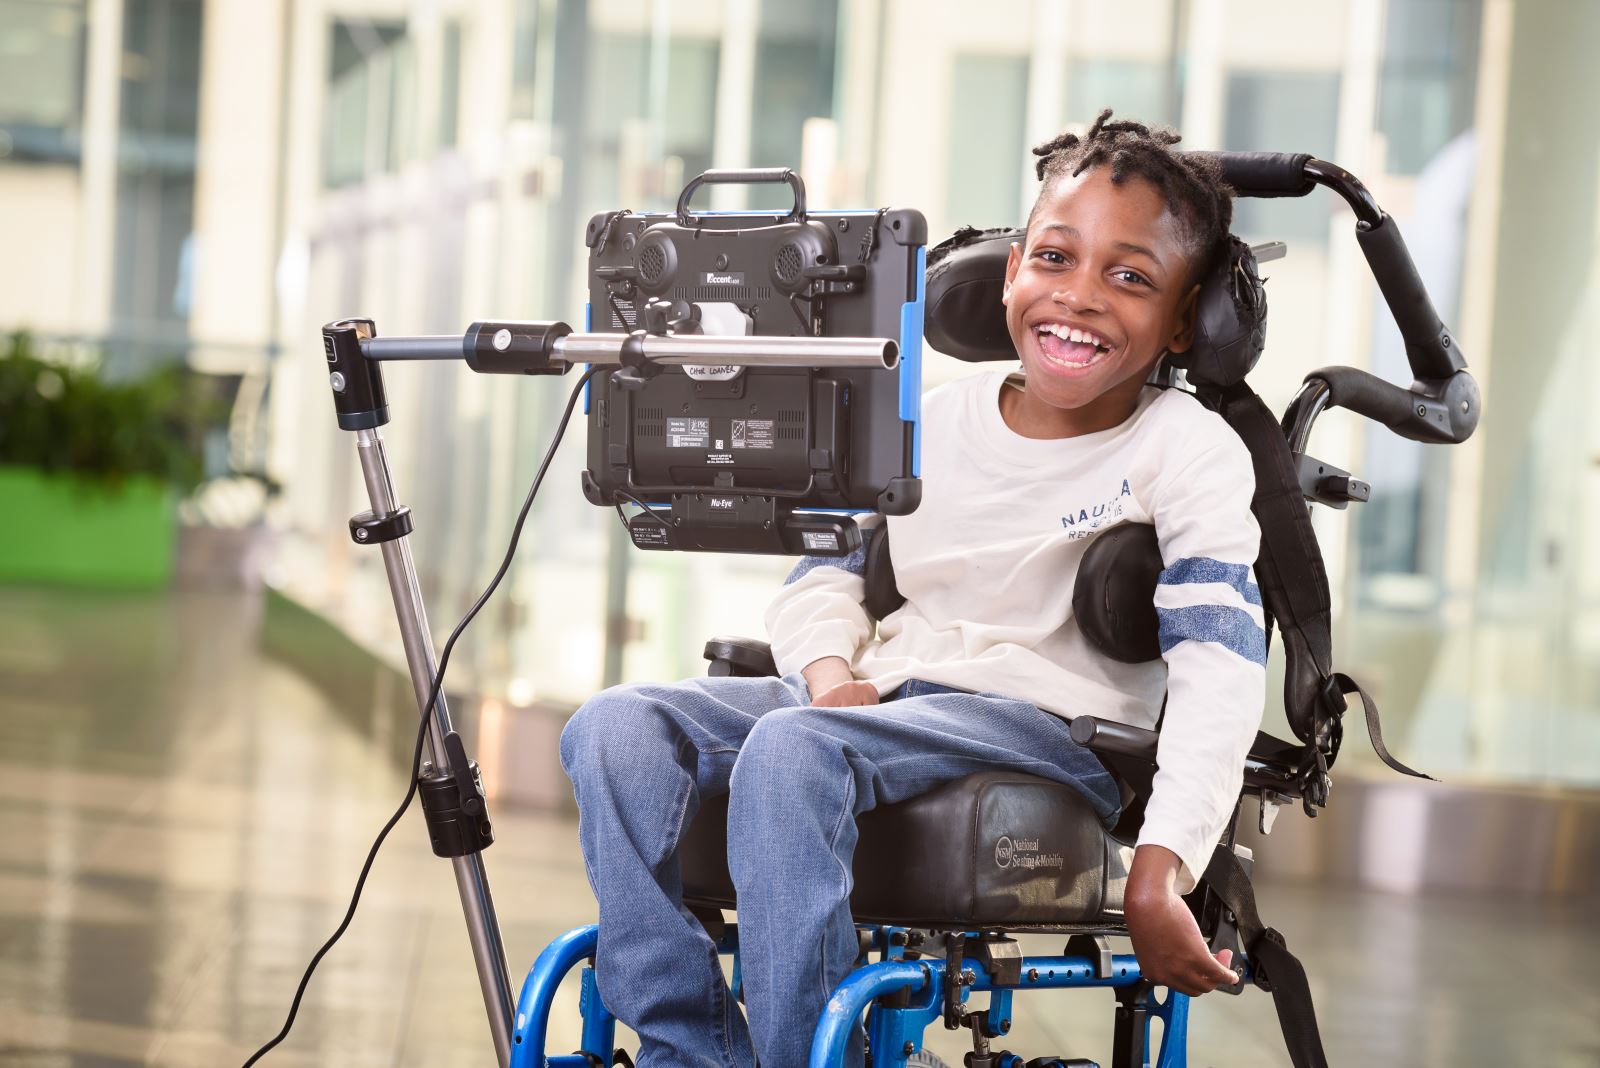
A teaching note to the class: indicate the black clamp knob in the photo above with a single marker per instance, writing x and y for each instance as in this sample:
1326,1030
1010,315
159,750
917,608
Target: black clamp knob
369,528
1323,482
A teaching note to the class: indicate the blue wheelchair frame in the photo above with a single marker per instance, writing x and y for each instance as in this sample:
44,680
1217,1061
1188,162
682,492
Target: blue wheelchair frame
894,1031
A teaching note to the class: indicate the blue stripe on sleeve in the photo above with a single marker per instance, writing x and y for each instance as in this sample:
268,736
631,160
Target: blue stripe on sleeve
855,563
1206,569
1231,628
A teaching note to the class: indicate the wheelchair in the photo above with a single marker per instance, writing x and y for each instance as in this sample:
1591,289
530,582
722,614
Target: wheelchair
943,882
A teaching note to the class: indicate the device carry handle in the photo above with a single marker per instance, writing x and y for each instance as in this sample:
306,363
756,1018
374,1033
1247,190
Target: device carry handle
753,176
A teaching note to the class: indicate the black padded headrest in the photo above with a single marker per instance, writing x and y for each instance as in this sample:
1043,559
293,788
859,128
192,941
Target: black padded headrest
962,313
963,316
1230,326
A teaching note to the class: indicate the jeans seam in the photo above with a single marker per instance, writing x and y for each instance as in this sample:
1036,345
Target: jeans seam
719,1002
846,812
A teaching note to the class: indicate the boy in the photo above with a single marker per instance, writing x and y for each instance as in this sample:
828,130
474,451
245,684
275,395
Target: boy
984,666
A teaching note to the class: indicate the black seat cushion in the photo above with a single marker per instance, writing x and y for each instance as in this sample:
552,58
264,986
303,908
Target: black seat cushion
995,849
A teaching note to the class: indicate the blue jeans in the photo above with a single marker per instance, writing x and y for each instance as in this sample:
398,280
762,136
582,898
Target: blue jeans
642,758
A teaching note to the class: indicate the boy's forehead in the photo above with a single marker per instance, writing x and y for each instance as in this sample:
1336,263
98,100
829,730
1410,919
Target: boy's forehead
1091,200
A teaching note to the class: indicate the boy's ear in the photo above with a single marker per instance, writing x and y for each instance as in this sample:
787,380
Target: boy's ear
1013,261
1188,308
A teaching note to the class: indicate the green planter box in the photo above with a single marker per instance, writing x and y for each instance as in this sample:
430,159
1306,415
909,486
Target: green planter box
58,529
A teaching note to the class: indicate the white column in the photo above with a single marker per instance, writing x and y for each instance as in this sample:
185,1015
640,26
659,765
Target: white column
1462,546
236,176
1204,88
98,216
1046,87
855,100
1348,301
736,81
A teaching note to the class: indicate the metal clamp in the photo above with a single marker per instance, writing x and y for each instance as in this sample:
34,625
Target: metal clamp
370,528
1095,947
1002,958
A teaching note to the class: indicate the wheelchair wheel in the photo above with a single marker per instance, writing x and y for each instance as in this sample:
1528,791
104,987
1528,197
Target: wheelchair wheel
925,1059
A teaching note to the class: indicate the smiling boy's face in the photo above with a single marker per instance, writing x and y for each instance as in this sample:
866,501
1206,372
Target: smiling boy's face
1098,291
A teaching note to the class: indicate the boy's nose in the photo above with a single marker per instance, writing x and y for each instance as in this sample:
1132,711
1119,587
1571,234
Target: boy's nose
1080,294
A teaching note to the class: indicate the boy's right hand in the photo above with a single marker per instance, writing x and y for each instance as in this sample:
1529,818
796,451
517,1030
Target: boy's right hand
1166,938
833,685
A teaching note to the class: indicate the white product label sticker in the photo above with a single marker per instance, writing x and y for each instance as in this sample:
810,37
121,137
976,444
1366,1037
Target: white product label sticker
688,433
754,434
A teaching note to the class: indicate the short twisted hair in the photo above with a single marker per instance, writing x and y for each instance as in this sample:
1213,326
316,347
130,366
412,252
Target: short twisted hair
1200,200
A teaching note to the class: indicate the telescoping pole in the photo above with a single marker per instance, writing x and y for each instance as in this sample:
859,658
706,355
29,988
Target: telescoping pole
361,405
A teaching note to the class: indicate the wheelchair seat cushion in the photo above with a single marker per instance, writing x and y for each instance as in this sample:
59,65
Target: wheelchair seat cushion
996,849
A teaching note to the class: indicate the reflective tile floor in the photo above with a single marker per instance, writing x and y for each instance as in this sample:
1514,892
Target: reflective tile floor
181,820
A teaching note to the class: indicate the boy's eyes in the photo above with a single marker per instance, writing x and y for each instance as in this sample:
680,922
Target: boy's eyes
1126,274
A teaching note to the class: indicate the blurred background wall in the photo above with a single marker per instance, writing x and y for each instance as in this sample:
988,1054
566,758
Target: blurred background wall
211,181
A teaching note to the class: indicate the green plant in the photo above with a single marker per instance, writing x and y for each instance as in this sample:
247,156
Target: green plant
63,418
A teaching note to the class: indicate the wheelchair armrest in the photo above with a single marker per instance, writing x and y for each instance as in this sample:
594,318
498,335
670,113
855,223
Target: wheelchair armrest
1105,736
742,657
1273,764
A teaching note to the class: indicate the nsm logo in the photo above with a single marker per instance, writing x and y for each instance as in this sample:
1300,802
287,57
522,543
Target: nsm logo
1003,851
1023,853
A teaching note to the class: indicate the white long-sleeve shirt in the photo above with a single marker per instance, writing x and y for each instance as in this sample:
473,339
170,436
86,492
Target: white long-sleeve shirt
987,565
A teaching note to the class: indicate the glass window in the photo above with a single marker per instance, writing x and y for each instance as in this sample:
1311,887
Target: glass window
1428,81
400,142
524,59
641,149
41,79
344,154
449,83
156,165
988,103
1283,111
1135,89
363,93
794,77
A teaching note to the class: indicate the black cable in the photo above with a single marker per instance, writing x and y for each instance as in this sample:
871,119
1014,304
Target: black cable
427,712
649,511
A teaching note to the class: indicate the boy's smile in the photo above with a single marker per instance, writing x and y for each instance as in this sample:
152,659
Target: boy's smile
1098,292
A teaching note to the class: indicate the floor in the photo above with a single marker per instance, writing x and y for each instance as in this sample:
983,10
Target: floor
183,819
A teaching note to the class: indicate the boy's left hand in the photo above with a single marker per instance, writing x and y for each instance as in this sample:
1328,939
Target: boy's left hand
1166,938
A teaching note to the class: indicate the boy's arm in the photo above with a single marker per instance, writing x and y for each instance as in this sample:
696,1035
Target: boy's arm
1214,643
816,623
834,685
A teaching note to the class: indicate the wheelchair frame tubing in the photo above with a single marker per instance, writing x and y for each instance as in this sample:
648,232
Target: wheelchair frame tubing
894,1031
532,1023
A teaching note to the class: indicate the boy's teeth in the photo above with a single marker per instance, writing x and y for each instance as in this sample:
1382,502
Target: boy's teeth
1081,337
